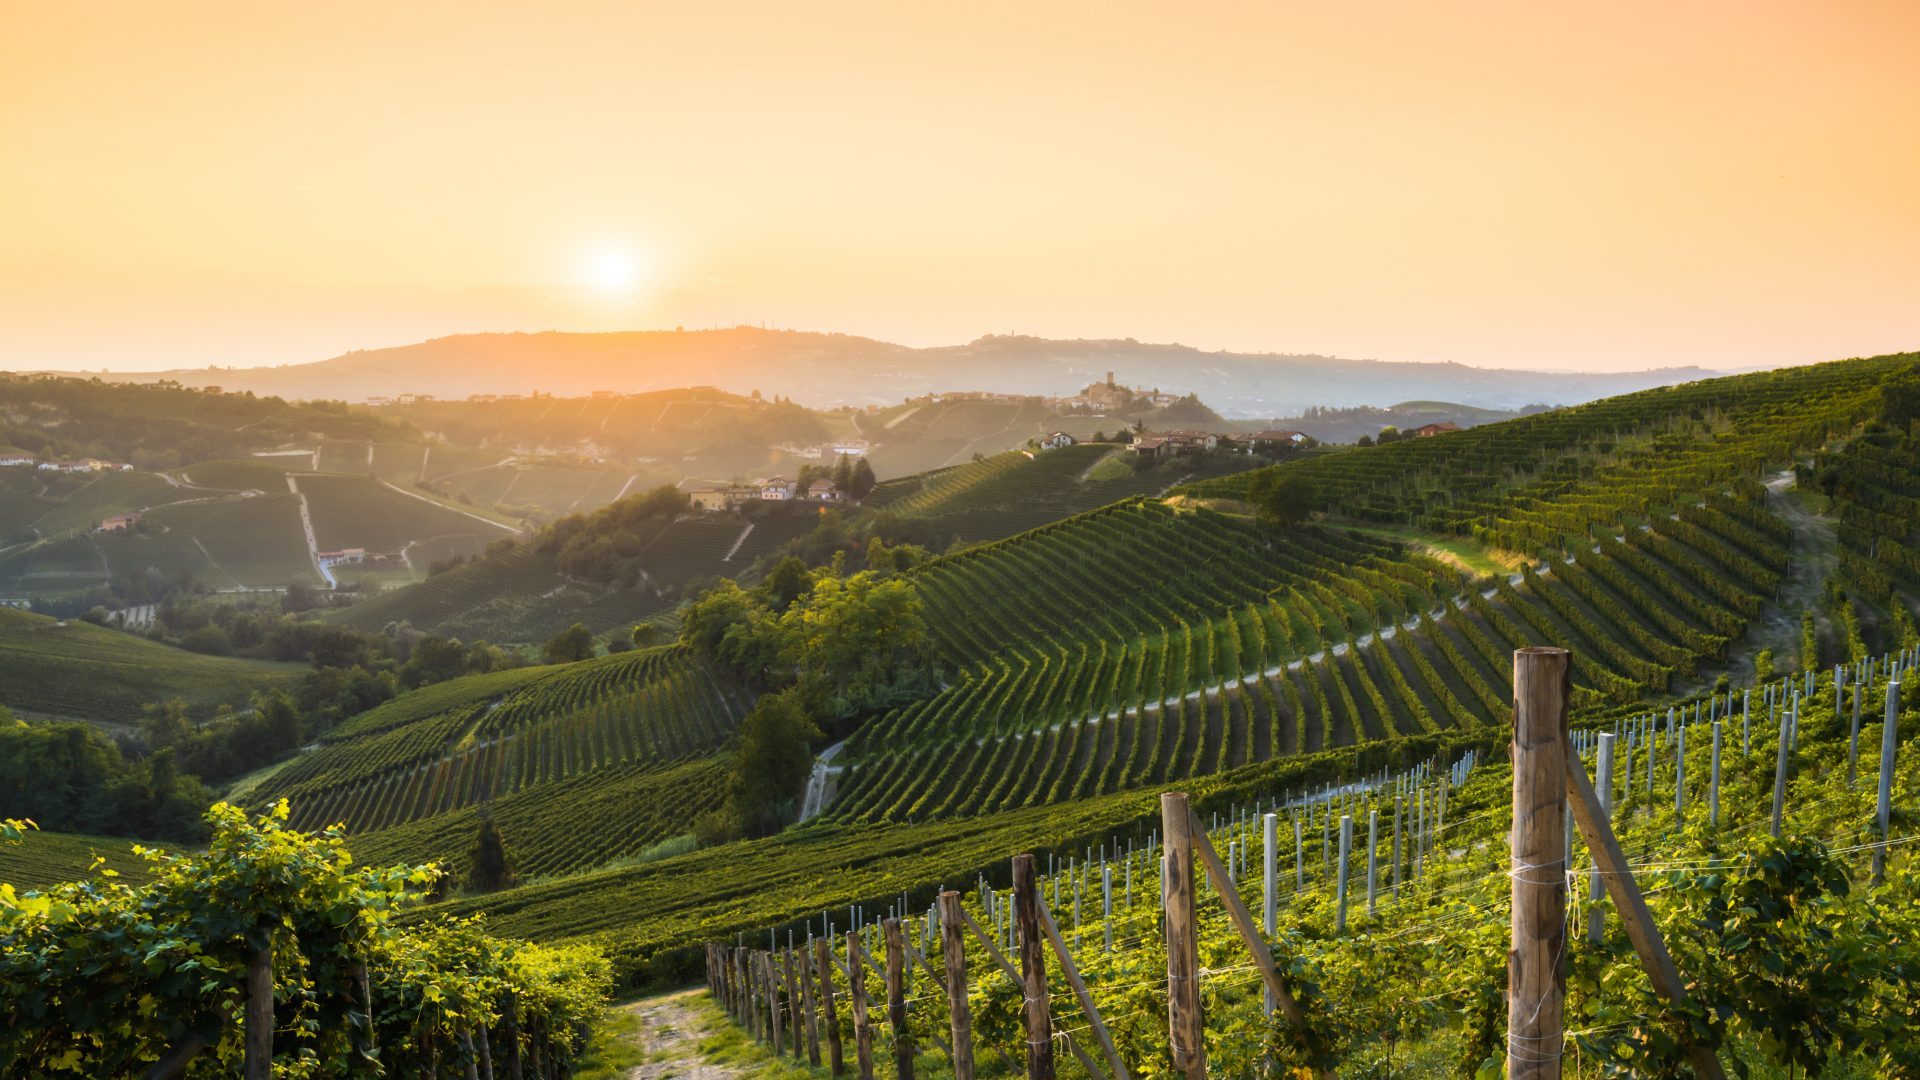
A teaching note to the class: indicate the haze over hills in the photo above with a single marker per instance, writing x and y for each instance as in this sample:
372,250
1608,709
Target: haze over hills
833,369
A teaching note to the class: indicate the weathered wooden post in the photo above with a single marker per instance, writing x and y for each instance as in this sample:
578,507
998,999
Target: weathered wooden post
777,1034
1033,970
1185,1028
806,999
1883,809
1536,977
829,1014
258,1063
795,1020
953,944
857,998
897,999
1603,771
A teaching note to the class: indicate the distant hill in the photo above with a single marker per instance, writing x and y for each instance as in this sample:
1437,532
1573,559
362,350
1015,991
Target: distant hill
833,369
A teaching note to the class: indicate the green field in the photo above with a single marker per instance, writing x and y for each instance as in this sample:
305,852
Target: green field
355,511
78,670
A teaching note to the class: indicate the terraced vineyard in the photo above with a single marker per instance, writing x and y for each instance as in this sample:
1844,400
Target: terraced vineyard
583,761
1139,644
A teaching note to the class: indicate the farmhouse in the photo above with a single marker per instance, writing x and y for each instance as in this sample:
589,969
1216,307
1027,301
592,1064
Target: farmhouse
119,522
1274,442
1428,431
1169,443
776,489
719,498
1058,439
15,459
16,602
344,555
824,491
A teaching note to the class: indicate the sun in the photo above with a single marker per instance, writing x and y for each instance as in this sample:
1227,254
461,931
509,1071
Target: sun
613,272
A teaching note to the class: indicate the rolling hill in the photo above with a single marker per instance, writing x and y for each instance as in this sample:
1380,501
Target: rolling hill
1138,645
72,669
835,369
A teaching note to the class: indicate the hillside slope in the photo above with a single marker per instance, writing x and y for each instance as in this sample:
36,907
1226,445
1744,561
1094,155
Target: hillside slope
74,669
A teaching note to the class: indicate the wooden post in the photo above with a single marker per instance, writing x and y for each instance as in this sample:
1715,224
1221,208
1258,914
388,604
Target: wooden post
857,994
792,985
1006,968
806,1001
777,1036
1106,904
1536,975
1883,808
1591,816
1603,768
954,946
897,999
829,1015
1185,1029
1780,774
1033,969
258,1064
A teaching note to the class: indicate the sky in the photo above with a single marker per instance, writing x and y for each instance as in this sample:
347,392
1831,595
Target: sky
1598,187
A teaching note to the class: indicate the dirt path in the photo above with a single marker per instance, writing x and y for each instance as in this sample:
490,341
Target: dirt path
670,1034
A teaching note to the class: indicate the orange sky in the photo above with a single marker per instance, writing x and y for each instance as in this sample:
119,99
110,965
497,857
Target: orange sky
1552,185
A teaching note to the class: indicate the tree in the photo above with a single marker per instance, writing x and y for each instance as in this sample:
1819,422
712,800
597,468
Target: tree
1282,496
771,765
863,479
843,473
490,866
1364,440
788,581
620,640
1387,435
573,644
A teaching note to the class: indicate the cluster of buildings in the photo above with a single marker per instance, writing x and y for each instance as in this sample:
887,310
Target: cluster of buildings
1166,444
77,465
772,489
352,556
1098,397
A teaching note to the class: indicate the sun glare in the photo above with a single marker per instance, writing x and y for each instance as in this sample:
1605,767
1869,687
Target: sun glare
613,271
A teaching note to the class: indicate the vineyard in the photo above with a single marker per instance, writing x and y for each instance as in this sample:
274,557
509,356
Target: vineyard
614,742
1755,824
1126,649
86,672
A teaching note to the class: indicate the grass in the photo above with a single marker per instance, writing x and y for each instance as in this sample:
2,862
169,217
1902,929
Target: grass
1467,554
613,1047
